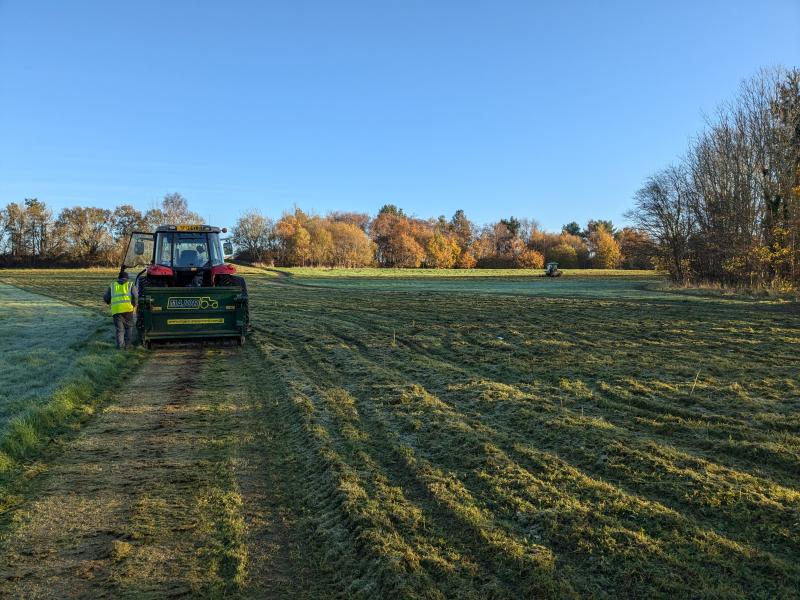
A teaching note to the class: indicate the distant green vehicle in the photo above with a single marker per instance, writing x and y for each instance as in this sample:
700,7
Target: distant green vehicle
552,270
186,290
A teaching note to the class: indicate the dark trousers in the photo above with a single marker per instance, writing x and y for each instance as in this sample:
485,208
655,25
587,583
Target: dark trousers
123,323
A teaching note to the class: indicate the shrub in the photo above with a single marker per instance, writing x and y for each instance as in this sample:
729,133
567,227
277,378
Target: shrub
565,255
530,259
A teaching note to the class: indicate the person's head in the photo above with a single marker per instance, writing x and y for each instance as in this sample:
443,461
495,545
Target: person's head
123,276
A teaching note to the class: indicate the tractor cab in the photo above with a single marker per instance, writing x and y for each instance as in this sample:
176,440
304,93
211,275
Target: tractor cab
181,255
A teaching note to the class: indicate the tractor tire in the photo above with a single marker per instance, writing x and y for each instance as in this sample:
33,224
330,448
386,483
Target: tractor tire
231,280
235,280
142,283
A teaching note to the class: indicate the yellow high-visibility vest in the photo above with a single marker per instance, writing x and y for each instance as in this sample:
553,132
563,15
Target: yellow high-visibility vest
121,297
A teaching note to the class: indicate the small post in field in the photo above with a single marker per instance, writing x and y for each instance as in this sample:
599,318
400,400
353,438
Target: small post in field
695,382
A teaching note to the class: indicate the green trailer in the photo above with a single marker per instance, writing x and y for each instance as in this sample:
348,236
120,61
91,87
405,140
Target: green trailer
186,290
168,313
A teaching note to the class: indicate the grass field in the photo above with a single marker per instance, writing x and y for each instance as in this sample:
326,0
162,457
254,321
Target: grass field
40,342
373,273
482,436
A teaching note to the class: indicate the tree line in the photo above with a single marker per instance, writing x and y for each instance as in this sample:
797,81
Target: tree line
395,239
729,210
91,236
81,235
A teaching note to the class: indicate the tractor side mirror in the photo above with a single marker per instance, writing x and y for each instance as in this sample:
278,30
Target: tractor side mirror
227,248
138,248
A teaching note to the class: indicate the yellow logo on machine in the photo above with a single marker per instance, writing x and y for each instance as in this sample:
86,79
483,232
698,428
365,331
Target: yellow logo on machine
191,303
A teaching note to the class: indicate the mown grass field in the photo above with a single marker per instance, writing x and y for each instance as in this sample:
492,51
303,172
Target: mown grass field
372,273
508,436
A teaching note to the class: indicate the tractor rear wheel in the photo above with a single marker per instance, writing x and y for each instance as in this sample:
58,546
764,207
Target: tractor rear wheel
235,280
232,280
142,283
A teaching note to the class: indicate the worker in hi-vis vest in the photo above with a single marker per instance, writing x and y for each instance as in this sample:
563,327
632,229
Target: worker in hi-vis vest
122,297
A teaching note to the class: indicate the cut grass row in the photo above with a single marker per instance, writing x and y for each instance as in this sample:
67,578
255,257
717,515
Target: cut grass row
390,273
145,501
185,528
500,446
185,531
616,443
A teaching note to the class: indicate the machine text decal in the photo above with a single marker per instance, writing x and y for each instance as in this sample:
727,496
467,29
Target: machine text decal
181,303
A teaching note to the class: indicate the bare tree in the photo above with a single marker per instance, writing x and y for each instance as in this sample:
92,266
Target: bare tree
729,212
663,210
253,234
175,211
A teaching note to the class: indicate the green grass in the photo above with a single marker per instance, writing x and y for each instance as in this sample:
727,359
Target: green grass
493,437
98,367
40,342
82,287
612,288
319,272
203,431
602,441
57,364
528,282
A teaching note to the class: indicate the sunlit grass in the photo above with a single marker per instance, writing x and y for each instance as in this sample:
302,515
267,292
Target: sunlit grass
521,436
604,440
318,272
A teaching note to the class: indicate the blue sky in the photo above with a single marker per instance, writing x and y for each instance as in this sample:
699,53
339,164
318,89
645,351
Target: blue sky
555,111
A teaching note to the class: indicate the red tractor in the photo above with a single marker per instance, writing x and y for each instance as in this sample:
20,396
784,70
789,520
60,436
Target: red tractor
186,289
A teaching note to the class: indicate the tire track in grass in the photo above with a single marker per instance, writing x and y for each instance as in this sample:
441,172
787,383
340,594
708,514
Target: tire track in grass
779,464
757,449
696,478
277,556
142,502
491,562
363,370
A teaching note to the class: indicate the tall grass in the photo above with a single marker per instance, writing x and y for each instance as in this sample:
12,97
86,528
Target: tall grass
40,341
94,374
56,363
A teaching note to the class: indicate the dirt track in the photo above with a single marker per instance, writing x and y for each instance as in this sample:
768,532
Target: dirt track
146,499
